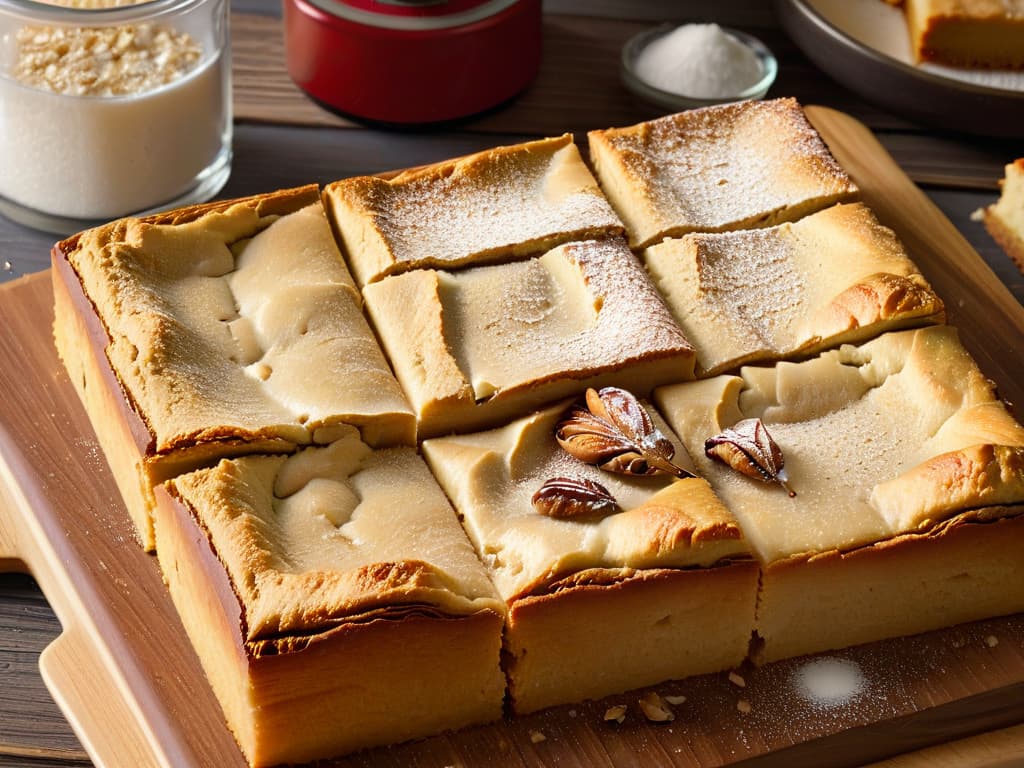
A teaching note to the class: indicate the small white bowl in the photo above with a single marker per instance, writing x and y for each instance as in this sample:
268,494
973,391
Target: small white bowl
674,101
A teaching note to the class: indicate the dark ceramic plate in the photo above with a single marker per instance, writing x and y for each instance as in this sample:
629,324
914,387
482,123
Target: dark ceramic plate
925,95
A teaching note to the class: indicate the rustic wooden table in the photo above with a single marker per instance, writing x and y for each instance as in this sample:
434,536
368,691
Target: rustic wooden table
282,139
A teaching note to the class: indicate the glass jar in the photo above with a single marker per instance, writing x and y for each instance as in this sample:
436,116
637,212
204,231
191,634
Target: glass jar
111,111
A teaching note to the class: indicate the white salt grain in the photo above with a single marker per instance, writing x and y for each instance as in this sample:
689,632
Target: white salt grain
699,60
830,682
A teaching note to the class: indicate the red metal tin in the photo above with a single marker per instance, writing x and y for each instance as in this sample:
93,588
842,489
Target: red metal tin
412,62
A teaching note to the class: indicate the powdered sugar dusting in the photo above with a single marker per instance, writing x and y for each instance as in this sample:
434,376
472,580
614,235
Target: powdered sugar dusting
734,166
489,206
829,682
761,292
585,308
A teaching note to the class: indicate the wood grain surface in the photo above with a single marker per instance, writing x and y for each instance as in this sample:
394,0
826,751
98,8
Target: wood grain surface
122,643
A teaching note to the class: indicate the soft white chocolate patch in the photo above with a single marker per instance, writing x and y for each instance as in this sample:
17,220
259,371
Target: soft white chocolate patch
492,476
494,314
239,325
889,437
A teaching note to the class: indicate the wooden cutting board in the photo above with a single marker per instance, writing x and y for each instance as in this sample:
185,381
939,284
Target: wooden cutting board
123,645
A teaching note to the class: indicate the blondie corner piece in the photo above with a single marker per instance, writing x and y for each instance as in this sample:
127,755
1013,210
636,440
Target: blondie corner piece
909,482
192,335
333,599
736,166
1004,219
660,588
833,277
479,346
497,205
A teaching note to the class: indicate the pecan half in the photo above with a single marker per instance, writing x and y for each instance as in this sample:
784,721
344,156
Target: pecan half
749,449
567,497
614,431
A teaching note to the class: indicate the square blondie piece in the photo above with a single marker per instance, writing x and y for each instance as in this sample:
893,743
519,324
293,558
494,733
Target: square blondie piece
661,588
736,166
333,599
909,482
479,346
498,205
214,331
833,277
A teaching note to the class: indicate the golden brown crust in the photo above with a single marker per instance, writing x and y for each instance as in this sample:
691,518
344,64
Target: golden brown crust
342,542
879,440
621,630
209,318
964,569
289,699
660,522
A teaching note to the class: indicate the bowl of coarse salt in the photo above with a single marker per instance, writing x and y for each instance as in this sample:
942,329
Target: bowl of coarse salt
696,65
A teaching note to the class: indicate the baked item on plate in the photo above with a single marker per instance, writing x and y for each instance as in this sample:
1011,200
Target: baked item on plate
735,166
333,599
767,294
659,587
480,346
214,331
909,482
497,205
967,33
1004,219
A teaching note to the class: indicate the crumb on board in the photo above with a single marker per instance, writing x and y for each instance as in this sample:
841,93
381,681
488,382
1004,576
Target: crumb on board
655,709
615,713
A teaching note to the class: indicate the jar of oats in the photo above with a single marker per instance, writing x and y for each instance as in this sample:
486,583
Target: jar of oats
109,110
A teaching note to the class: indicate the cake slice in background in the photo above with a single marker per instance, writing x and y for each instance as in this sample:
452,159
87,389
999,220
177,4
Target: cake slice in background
1004,219
986,34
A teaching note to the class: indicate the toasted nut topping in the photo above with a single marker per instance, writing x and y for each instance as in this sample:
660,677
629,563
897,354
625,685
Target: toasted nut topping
567,497
616,713
737,679
612,430
750,450
655,709
675,701
537,737
743,706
